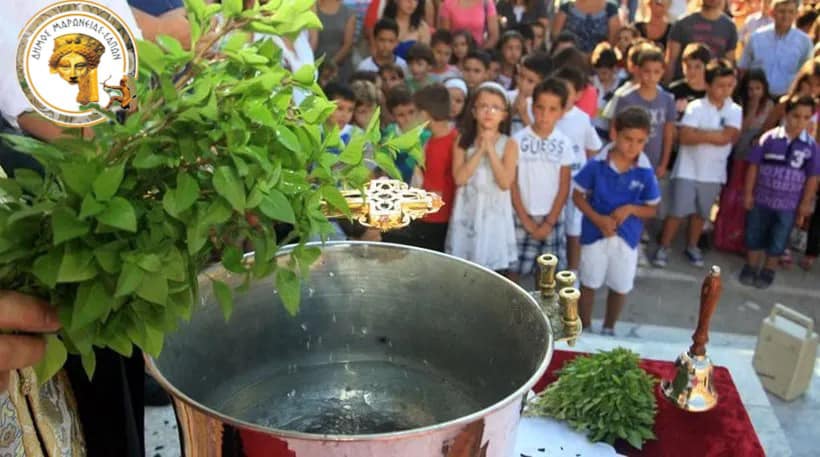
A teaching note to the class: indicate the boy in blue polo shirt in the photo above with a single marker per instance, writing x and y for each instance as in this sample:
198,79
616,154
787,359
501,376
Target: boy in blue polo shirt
615,191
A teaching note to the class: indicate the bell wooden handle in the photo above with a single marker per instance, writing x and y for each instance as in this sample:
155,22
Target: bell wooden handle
709,296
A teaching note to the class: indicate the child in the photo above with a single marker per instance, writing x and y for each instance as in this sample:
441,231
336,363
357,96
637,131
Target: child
539,33
533,70
565,39
457,89
476,69
495,65
484,161
391,75
693,85
605,63
342,116
386,35
754,98
367,99
657,102
442,44
577,126
328,73
709,128
420,60
512,49
463,44
541,187
403,111
433,104
614,191
587,100
626,37
781,183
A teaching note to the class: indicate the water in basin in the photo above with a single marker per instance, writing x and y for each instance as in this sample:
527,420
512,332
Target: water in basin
348,398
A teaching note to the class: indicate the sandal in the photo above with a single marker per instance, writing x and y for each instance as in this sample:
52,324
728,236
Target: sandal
786,261
807,262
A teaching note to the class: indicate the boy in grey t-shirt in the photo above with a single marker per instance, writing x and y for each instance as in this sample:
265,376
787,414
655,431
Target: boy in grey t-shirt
657,102
709,26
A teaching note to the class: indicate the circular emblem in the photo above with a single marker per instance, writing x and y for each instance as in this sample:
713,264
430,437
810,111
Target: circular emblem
73,54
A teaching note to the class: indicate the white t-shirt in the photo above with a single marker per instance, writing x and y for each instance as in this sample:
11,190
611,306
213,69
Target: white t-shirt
16,14
706,162
369,64
577,125
539,168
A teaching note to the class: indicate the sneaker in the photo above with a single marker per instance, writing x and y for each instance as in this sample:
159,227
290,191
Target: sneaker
694,255
748,275
645,237
607,331
643,260
764,279
661,258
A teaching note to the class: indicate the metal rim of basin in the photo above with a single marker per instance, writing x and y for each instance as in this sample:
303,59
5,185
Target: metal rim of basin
521,392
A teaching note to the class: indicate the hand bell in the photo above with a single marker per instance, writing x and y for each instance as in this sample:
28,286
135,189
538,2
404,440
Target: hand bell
692,389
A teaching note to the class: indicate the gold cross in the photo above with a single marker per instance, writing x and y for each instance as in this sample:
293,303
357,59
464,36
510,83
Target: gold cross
388,204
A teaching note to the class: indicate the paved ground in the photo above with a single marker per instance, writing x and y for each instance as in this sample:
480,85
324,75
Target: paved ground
657,322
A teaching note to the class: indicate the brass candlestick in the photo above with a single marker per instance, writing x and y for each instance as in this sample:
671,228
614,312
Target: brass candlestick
547,263
558,299
387,204
568,302
692,389
565,279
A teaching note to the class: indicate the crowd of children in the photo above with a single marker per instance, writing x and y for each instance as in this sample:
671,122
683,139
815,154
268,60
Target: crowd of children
539,148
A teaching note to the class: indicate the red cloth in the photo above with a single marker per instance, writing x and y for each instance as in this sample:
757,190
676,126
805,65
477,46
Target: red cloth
438,173
724,431
730,226
588,101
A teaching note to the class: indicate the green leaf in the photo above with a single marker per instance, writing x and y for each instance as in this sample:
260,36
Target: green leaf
388,165
47,267
334,198
77,264
90,207
89,361
10,189
224,296
150,55
78,177
53,360
95,306
129,279
154,288
150,263
232,259
287,138
228,185
108,256
305,75
170,44
174,267
108,181
276,206
354,151
305,257
119,214
29,180
153,341
289,286
65,226
231,8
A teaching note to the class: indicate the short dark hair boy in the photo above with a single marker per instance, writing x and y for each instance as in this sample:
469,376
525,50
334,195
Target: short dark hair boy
633,117
697,51
420,51
554,86
386,23
435,100
442,36
719,68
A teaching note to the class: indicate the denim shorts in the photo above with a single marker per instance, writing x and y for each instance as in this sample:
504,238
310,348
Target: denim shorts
768,230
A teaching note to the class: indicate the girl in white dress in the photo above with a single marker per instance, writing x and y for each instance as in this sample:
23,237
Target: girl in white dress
484,165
